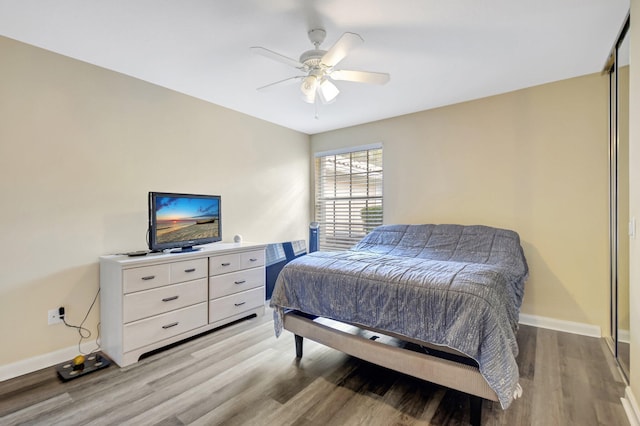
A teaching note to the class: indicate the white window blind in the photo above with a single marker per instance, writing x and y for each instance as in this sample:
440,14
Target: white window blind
348,191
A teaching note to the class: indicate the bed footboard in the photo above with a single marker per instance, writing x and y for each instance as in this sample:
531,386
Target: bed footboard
445,372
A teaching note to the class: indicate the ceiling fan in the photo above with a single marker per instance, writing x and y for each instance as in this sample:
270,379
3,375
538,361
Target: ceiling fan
319,70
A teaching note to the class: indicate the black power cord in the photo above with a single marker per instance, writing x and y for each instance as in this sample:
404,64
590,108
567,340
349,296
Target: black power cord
84,332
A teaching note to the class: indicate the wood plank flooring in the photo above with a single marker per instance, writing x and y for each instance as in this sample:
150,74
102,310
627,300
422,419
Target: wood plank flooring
243,375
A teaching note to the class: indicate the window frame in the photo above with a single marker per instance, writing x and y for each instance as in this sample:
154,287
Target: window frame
336,233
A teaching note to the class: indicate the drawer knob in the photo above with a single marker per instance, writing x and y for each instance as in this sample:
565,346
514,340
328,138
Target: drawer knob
169,299
190,270
148,277
173,324
240,304
226,264
253,259
240,282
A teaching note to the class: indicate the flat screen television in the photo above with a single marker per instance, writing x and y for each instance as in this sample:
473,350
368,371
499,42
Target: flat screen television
183,221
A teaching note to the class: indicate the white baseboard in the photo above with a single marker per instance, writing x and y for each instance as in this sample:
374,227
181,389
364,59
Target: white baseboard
624,336
561,325
631,407
29,365
39,362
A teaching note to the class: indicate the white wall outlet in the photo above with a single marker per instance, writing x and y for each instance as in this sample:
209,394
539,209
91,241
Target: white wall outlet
54,317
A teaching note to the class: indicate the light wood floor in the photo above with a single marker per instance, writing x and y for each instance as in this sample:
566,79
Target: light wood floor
243,375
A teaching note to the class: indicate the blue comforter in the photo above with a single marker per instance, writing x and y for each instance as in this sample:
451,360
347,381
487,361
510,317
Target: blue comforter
451,285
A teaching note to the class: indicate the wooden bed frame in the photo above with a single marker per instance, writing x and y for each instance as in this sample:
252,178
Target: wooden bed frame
449,371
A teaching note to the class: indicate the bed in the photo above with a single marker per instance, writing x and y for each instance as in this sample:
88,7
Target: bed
453,291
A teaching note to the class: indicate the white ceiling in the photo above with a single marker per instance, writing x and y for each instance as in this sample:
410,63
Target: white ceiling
438,52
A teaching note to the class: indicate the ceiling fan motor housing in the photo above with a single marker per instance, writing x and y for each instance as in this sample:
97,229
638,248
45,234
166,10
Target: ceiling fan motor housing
312,58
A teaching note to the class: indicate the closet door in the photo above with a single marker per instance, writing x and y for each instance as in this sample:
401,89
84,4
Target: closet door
620,226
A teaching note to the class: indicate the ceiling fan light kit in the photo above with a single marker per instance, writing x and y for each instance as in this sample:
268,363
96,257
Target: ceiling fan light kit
308,88
328,91
318,66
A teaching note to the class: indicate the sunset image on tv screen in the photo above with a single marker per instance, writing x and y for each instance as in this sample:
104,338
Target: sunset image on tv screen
184,218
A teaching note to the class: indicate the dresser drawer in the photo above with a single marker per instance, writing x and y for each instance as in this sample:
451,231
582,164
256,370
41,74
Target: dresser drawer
226,284
188,270
224,264
151,330
145,277
237,303
252,259
143,304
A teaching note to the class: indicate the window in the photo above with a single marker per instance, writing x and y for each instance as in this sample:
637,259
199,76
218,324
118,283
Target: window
348,195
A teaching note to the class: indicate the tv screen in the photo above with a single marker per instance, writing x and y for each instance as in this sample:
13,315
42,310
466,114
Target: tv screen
183,221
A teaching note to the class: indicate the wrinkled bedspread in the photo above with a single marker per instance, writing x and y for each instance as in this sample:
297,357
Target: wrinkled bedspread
452,285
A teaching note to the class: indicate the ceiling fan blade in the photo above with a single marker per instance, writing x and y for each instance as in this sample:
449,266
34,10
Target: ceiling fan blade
341,48
360,76
278,57
282,82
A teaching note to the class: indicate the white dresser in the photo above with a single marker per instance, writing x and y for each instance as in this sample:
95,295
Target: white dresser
152,301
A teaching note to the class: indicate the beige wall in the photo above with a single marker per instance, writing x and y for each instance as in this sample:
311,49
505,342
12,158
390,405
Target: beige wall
80,147
534,161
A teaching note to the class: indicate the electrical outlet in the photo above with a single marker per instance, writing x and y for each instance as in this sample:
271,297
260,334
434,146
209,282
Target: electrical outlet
54,316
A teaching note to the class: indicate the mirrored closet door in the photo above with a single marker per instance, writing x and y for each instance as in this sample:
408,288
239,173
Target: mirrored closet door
618,68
